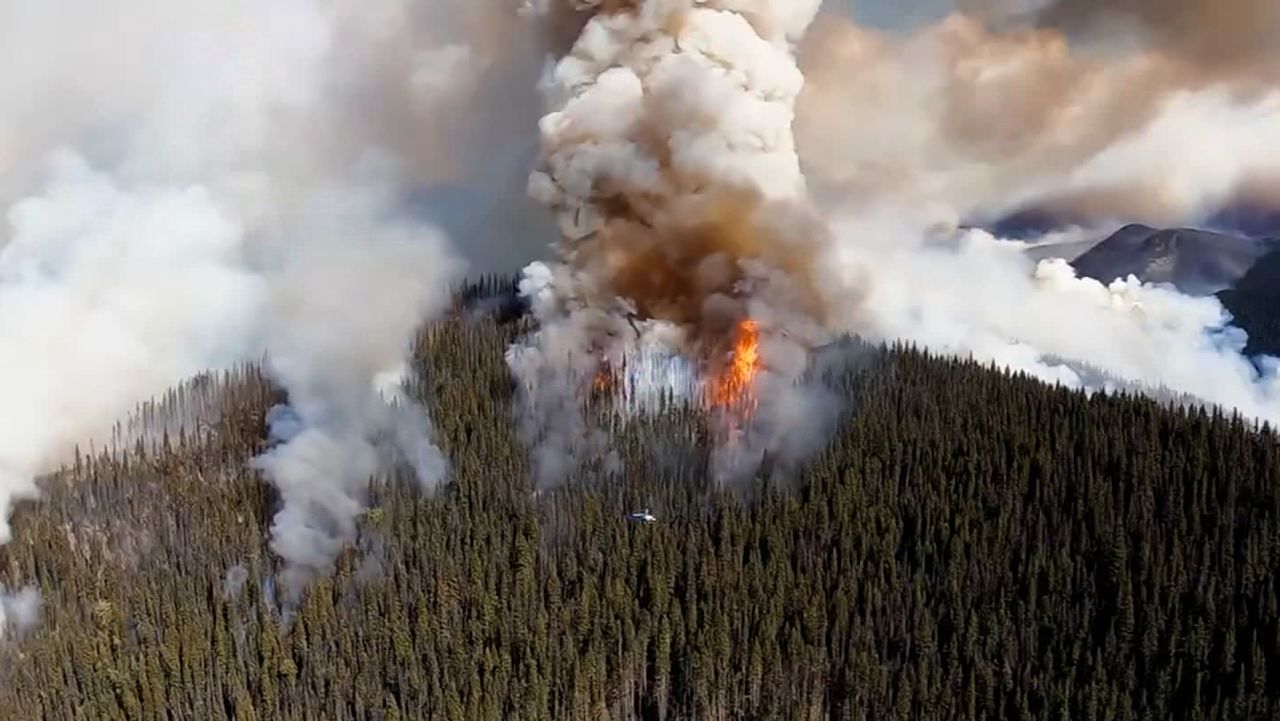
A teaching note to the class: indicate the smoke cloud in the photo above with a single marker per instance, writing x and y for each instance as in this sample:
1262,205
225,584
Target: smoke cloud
700,179
669,162
1220,36
974,122
1096,114
19,612
107,296
188,186
970,293
234,581
343,310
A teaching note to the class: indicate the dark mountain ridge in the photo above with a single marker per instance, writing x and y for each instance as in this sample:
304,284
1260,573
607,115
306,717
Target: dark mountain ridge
1197,262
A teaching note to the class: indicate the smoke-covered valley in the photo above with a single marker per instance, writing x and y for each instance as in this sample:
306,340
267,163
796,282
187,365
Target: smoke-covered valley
188,187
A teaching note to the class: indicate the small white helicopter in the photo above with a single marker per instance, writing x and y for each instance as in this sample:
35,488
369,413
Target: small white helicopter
642,516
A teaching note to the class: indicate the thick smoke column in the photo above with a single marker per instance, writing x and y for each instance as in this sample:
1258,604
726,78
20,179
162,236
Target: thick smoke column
669,161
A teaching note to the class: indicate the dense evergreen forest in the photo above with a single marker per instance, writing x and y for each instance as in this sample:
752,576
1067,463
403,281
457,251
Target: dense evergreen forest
971,545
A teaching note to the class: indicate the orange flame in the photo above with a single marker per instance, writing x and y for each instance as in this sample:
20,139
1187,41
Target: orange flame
735,382
603,384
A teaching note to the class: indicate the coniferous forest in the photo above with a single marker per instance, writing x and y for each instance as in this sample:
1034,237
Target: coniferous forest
971,545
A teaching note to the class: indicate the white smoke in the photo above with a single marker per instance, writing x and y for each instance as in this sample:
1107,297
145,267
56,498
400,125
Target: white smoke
233,582
907,135
970,293
188,186
342,314
107,296
19,612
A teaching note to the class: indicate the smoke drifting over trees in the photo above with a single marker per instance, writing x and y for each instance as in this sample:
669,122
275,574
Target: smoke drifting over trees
191,186
667,110
970,545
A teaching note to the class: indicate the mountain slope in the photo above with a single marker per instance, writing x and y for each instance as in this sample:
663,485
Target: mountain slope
1254,304
1053,556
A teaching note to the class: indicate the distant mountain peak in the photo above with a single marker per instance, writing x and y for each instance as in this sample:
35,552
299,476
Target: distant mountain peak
1197,262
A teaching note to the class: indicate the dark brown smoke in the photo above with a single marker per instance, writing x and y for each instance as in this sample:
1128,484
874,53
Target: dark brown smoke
687,262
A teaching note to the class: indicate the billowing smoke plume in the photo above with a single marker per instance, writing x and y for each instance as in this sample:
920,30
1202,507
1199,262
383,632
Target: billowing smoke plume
342,312
108,294
669,161
188,186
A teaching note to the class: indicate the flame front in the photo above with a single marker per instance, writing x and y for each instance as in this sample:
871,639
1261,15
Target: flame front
604,383
734,384
724,382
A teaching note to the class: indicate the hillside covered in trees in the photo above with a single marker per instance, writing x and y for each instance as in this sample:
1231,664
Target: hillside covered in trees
971,545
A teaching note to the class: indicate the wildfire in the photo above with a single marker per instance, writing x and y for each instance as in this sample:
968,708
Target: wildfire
735,381
603,384
724,382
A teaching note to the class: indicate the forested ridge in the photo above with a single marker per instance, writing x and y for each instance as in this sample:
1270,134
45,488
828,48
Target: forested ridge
1252,303
971,545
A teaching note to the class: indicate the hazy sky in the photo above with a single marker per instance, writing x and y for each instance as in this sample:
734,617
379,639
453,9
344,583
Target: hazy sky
893,13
